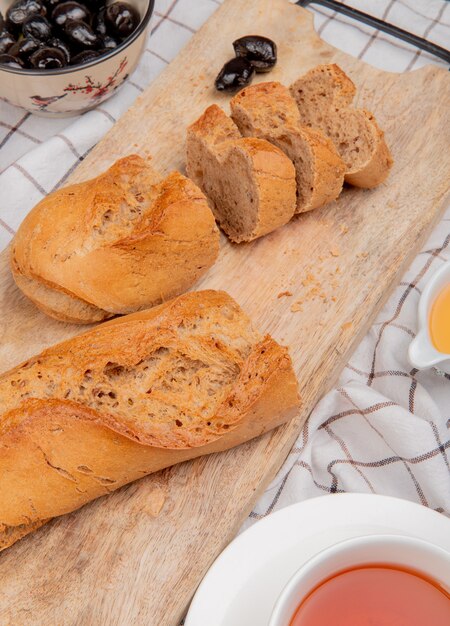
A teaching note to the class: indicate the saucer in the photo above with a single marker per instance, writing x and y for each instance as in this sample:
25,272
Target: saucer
245,581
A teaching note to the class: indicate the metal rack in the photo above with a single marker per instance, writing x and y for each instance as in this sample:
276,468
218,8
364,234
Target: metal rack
386,27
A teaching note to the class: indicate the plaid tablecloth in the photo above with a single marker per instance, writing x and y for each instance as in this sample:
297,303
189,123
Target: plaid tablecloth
384,429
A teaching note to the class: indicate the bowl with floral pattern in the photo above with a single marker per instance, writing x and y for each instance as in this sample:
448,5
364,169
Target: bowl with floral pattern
73,89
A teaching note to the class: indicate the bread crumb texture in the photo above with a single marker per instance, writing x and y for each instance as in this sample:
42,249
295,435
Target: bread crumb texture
268,111
121,242
324,97
319,283
249,182
130,397
170,378
283,294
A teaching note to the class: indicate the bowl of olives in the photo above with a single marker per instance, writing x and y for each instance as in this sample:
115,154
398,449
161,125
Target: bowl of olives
61,57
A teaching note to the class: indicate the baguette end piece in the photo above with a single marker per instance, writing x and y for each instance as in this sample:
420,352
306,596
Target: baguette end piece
121,242
324,97
133,396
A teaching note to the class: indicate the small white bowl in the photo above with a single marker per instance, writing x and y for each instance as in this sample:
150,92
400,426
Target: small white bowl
405,552
74,89
422,353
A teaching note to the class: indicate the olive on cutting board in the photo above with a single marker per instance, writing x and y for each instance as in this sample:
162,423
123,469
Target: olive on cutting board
260,51
253,53
50,34
235,74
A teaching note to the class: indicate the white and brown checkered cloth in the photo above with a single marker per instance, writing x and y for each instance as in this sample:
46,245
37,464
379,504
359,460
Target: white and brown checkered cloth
385,429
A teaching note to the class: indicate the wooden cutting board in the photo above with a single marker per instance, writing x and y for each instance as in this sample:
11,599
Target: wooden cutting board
137,556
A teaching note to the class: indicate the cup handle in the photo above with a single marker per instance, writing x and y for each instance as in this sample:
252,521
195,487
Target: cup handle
422,354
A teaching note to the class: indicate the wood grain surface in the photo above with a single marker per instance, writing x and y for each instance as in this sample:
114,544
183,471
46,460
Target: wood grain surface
136,557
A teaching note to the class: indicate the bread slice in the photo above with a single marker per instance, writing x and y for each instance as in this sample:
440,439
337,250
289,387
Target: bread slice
324,96
130,397
267,110
121,242
250,183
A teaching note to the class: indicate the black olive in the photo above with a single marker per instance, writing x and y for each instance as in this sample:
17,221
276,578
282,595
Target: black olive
70,11
56,42
260,51
121,18
48,58
21,10
6,41
10,61
99,23
234,75
14,49
84,57
80,34
108,43
51,4
24,48
37,27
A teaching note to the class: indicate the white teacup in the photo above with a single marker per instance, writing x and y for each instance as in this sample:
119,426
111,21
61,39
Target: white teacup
422,353
404,552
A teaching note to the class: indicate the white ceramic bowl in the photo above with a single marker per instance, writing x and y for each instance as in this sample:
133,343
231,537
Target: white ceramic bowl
69,90
422,353
408,552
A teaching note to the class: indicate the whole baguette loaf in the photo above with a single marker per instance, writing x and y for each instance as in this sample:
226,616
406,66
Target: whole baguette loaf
250,183
268,111
118,243
130,397
324,96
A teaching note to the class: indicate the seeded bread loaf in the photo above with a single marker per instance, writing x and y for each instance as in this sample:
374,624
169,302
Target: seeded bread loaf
324,96
130,397
250,183
268,111
121,242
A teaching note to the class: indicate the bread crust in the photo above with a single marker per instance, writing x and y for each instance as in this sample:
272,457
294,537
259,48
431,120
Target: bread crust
56,303
58,453
273,183
121,242
377,168
217,155
324,97
268,111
